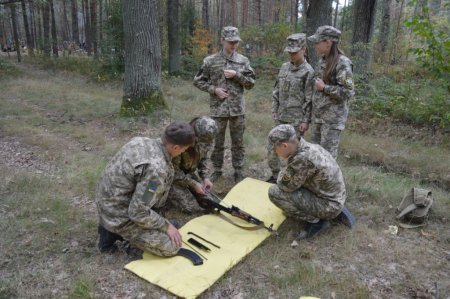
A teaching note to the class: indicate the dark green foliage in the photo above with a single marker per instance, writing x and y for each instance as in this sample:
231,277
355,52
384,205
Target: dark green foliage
112,59
409,96
147,105
433,49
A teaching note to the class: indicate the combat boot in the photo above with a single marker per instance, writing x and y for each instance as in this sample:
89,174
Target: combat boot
345,217
107,239
314,229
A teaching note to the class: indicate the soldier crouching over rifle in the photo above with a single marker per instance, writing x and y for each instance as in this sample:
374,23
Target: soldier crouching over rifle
311,187
134,186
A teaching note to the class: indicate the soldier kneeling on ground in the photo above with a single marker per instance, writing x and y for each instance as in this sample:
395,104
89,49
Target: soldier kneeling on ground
311,187
134,187
191,168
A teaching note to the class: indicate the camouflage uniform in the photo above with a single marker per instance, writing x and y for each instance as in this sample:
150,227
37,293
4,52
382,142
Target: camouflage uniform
231,109
191,165
291,97
330,106
133,186
311,187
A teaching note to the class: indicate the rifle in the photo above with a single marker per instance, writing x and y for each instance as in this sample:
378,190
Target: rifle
213,206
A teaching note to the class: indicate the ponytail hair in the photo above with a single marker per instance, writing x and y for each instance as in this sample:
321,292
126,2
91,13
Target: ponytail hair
331,62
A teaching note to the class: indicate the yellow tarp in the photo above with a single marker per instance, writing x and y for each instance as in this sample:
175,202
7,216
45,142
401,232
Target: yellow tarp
179,276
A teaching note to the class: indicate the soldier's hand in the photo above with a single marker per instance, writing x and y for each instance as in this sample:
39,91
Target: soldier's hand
320,85
207,185
199,189
174,235
274,115
303,127
229,73
221,93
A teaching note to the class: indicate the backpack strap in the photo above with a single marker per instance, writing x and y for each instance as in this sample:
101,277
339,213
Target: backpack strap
406,210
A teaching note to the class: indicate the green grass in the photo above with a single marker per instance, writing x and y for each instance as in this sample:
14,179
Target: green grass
48,220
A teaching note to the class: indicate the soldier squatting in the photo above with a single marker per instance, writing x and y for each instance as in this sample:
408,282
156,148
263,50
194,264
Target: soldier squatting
148,174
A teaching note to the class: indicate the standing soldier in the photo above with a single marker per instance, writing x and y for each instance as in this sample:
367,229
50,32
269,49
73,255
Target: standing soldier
333,89
291,97
311,187
224,76
134,187
191,170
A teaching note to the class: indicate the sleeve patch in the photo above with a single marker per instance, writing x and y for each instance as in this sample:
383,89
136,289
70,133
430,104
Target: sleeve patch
349,83
149,192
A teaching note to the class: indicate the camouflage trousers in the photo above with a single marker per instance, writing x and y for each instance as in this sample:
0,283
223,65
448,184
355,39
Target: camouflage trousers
304,204
327,136
183,198
237,128
272,158
150,240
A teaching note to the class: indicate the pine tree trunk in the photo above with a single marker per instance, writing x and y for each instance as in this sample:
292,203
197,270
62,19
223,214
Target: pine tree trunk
33,24
46,24
244,13
75,34
27,29
385,27
54,37
93,25
142,82
336,14
12,7
318,14
343,16
363,19
87,27
173,24
205,14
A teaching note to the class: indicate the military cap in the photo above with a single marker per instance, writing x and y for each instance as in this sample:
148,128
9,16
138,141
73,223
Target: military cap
325,33
280,134
205,129
295,42
230,34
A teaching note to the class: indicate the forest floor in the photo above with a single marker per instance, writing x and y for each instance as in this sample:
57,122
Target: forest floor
58,130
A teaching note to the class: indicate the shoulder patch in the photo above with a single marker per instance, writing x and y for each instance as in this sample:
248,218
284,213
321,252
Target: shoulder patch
349,83
149,191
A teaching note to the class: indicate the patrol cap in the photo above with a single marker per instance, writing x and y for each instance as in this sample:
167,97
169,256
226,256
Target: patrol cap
230,34
295,42
280,134
205,129
325,33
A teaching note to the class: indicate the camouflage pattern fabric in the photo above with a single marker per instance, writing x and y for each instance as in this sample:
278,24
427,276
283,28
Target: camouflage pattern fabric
295,42
211,76
325,33
237,128
187,165
134,184
272,158
231,34
330,107
311,180
327,137
292,94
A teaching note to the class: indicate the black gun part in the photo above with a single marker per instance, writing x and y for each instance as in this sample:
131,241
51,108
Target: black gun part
198,244
194,250
194,234
190,255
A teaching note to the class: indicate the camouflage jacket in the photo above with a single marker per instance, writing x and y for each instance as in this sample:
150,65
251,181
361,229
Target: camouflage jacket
331,105
211,76
291,97
195,159
313,168
135,182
